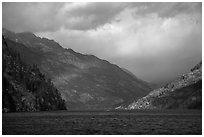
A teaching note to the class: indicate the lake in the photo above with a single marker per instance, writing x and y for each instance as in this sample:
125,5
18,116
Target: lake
137,122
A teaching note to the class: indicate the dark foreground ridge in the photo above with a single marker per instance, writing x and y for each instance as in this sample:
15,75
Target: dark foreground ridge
25,88
163,122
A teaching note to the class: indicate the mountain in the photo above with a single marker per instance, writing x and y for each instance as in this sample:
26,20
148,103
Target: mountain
84,81
25,87
185,92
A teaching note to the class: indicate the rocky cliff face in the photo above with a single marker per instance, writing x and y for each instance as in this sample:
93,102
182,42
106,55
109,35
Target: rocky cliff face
85,81
184,92
25,87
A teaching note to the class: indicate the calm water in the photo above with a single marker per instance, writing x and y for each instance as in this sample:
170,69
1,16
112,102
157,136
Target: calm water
101,122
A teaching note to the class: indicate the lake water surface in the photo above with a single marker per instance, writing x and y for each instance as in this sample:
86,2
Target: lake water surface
103,122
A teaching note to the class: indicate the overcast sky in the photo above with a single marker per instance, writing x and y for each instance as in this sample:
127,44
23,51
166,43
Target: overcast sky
155,41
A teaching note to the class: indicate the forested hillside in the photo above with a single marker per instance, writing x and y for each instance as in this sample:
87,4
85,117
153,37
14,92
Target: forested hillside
25,88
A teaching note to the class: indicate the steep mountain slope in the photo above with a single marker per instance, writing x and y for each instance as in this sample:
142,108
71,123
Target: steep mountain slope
85,81
185,92
25,87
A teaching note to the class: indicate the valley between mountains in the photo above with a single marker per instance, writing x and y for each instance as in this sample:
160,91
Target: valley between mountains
86,82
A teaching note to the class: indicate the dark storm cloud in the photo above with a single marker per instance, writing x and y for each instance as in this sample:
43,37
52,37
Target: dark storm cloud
31,16
168,9
39,17
95,14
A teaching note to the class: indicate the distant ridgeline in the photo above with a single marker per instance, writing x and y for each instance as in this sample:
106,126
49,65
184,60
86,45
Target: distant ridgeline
25,88
185,92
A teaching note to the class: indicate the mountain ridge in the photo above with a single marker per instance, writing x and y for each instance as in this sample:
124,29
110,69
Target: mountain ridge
85,81
184,92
